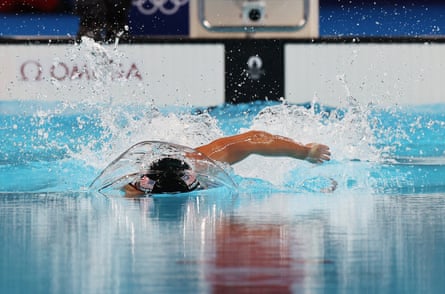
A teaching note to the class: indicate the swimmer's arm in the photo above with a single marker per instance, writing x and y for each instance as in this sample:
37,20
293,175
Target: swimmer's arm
235,148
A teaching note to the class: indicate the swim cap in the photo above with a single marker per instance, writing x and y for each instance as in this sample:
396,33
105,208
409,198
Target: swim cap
168,175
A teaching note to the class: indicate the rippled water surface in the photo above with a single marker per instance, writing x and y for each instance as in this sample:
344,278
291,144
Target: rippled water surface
277,243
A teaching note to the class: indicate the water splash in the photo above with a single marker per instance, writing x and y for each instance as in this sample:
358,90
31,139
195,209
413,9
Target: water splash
120,125
348,133
355,134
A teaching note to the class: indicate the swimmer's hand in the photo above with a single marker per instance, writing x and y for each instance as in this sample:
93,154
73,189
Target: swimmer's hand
318,153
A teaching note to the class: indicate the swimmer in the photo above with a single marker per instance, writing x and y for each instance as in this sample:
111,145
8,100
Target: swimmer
169,175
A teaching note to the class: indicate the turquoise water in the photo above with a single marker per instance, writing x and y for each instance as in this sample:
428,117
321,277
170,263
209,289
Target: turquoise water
380,231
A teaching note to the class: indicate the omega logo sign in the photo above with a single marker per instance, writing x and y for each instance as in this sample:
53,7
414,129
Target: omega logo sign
33,70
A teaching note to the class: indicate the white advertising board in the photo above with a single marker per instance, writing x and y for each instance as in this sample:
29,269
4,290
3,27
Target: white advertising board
173,74
194,74
384,74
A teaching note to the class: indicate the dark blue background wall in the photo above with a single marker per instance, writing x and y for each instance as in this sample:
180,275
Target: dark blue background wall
382,18
346,18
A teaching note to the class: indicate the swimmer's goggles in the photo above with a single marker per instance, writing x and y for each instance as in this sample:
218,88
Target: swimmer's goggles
162,182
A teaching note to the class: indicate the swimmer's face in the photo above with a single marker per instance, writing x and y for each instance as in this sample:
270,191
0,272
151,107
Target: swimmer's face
146,183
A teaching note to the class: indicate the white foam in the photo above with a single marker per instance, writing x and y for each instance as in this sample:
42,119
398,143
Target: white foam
349,133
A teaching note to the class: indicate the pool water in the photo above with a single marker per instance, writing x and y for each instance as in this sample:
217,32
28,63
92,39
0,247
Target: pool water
280,231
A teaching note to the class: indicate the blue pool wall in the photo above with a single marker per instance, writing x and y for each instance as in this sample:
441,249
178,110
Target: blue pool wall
338,18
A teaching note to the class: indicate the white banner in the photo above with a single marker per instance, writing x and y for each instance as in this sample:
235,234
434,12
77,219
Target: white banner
183,74
383,74
194,74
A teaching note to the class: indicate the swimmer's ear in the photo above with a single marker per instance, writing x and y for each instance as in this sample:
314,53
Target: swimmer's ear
190,180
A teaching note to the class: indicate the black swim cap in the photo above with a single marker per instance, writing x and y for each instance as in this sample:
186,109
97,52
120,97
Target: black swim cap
172,175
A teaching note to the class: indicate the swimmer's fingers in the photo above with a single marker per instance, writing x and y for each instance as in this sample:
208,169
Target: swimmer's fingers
325,154
318,153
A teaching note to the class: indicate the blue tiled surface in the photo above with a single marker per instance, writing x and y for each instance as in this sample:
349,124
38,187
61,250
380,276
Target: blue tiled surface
337,18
